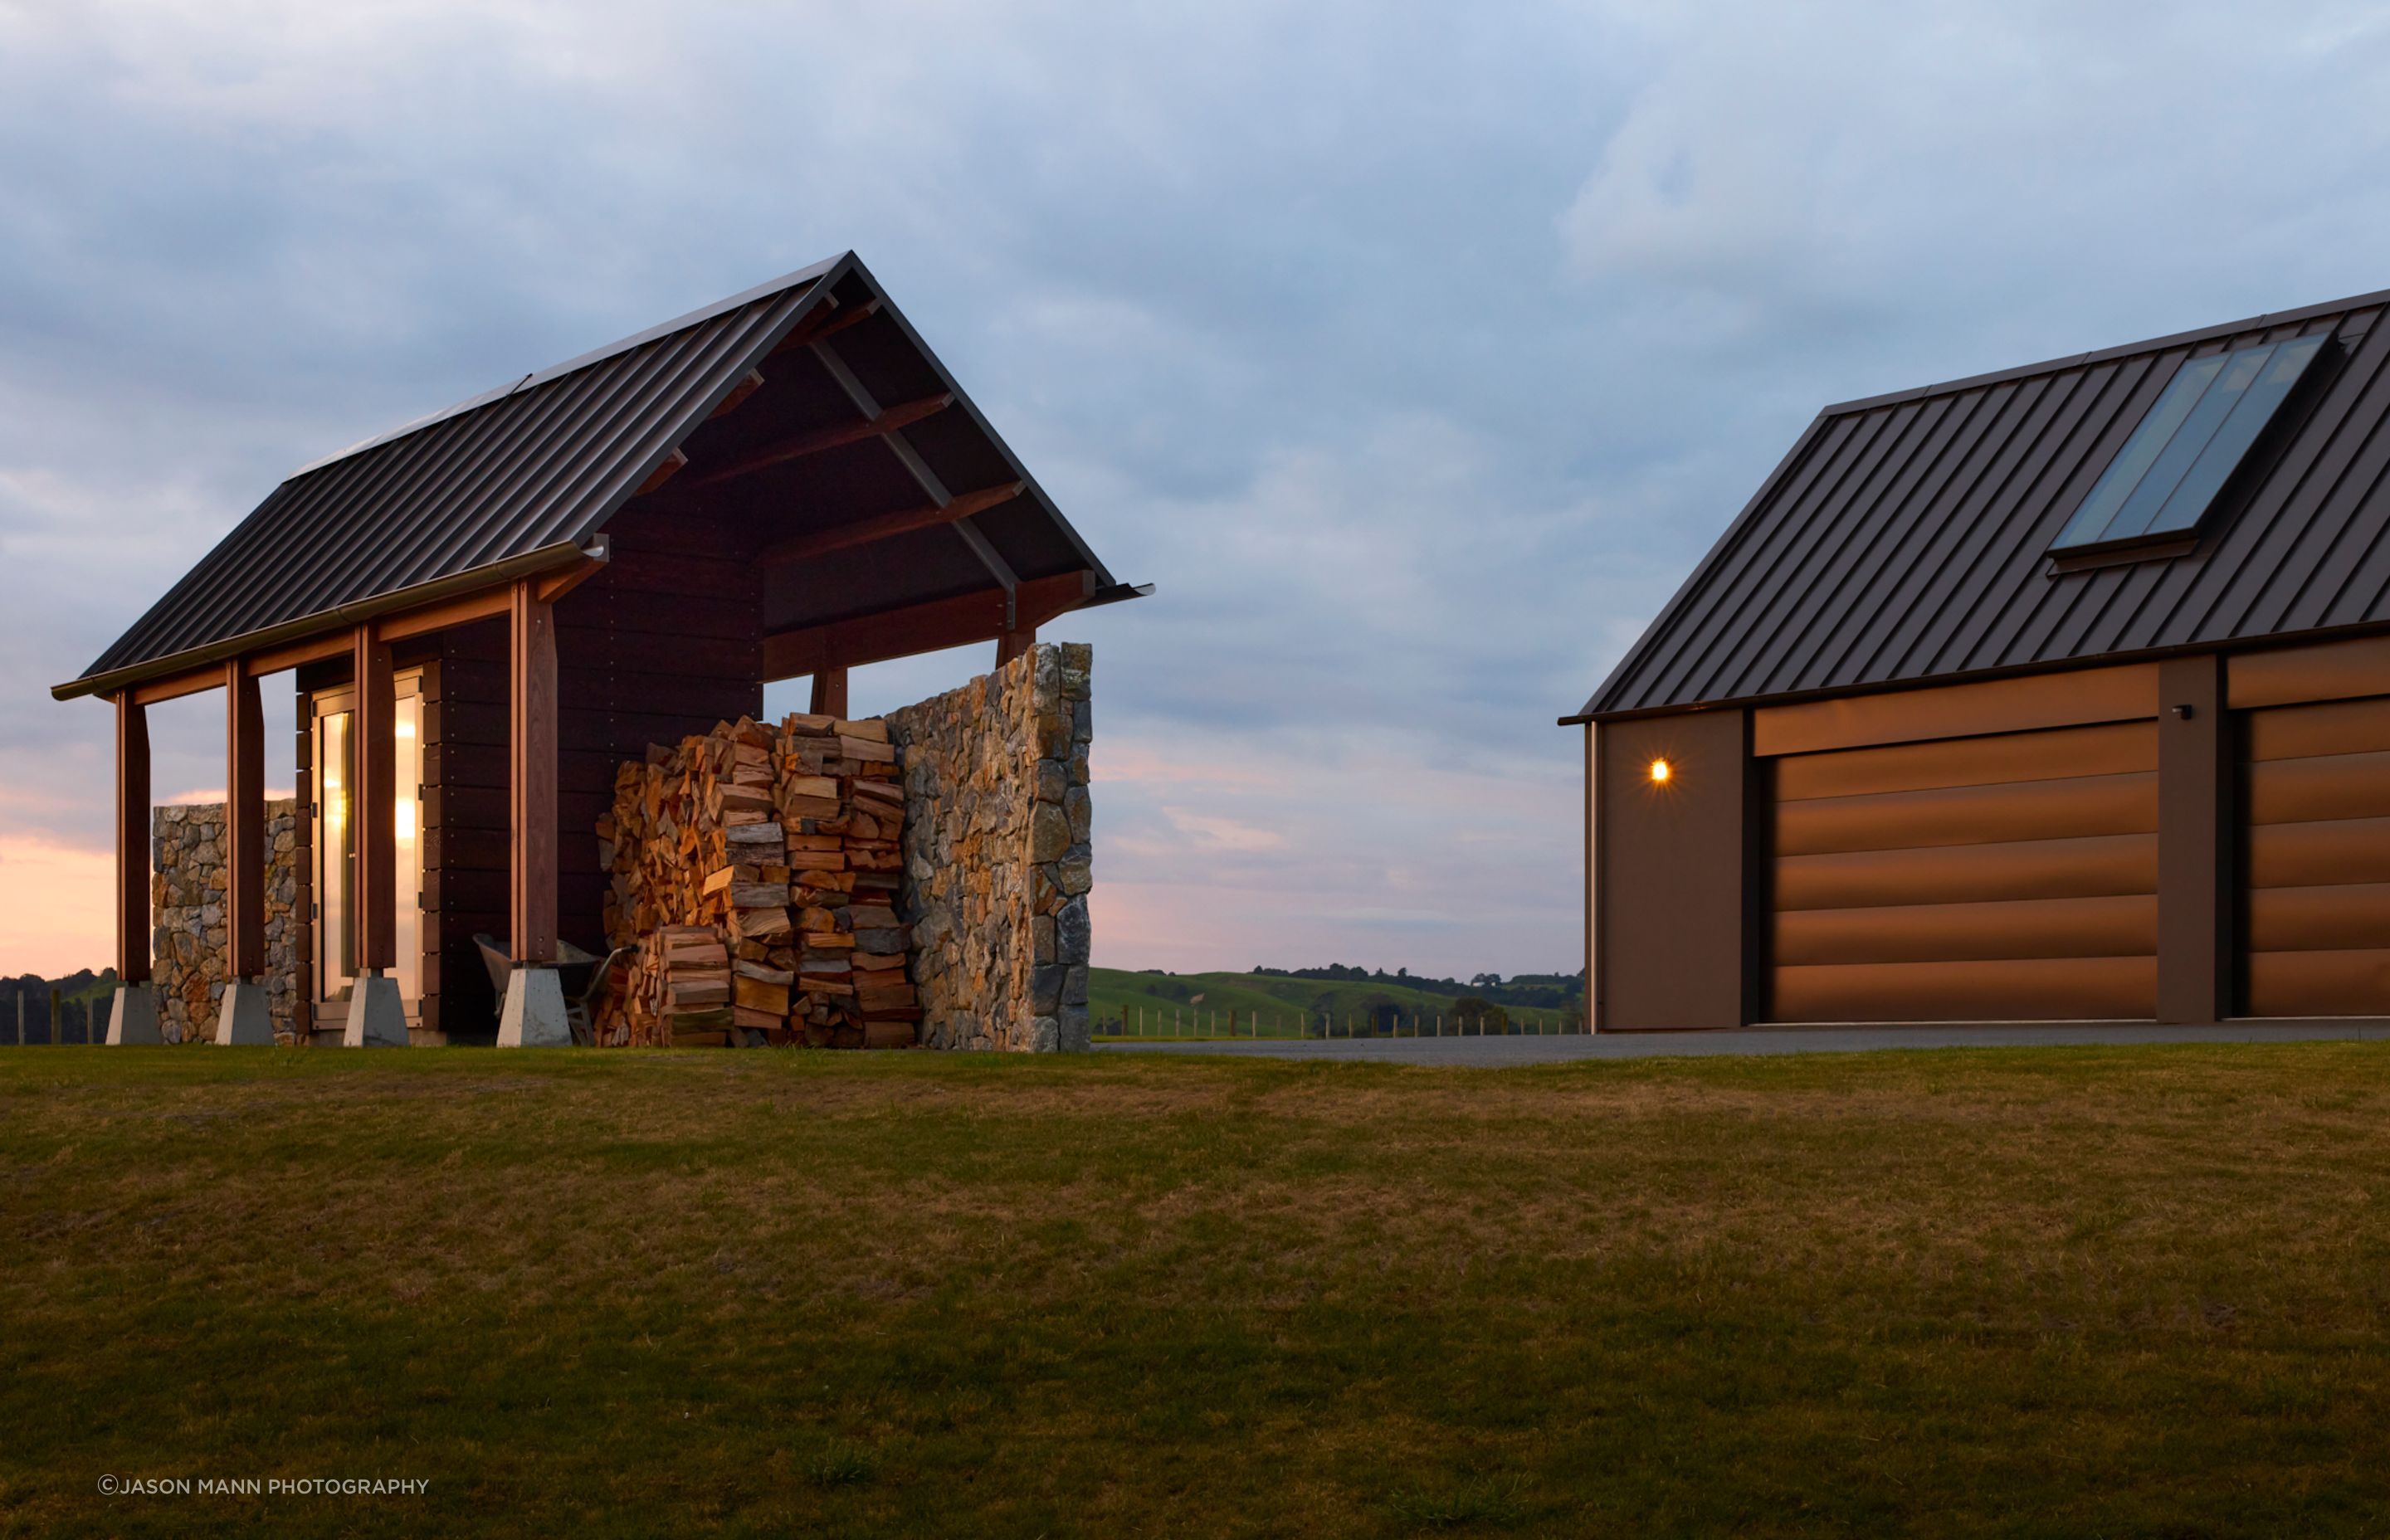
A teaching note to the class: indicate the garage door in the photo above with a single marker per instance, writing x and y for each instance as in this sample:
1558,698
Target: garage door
2316,784
2010,878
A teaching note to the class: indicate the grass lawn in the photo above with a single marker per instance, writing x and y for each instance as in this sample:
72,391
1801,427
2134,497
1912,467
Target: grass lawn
2127,1292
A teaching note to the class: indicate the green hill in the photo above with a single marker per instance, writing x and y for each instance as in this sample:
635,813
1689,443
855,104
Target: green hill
1278,1005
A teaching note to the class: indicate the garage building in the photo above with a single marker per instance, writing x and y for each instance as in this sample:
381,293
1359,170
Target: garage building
2060,693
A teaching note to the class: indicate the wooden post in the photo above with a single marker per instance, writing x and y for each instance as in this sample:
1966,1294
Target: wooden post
132,841
1013,644
532,774
829,692
244,827
374,906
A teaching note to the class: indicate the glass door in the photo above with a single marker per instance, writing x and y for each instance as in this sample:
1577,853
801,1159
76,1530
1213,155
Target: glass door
334,845
335,853
408,790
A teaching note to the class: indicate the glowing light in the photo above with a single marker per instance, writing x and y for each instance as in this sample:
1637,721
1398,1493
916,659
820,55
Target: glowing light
1661,772
406,821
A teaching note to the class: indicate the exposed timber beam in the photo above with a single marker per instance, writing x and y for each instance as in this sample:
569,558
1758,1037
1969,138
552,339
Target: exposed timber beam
957,622
314,650
831,319
932,486
440,617
662,473
739,394
557,584
899,415
862,531
179,686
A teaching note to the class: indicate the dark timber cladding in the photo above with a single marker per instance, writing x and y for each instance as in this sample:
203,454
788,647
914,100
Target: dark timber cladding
2010,749
524,591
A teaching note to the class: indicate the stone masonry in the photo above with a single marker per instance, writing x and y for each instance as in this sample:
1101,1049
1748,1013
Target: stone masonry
186,905
998,854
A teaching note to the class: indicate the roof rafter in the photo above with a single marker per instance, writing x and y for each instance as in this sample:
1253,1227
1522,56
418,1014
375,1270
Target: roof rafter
863,532
824,438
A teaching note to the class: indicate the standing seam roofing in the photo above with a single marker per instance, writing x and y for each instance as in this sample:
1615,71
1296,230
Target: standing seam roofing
1905,537
498,477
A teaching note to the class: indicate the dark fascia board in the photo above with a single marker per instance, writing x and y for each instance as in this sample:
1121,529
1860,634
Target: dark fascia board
1717,553
1976,676
596,355
2125,349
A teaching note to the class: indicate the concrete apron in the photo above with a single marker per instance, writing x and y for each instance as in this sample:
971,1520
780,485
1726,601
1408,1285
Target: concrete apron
534,1015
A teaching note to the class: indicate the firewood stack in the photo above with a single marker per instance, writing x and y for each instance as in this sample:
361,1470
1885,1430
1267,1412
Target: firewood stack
756,871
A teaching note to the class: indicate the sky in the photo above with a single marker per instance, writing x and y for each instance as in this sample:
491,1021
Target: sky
1414,352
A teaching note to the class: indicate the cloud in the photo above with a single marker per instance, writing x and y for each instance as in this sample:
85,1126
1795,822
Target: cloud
1209,832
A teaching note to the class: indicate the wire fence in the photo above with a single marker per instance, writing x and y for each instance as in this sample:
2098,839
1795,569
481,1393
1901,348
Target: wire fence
28,1019
1137,1023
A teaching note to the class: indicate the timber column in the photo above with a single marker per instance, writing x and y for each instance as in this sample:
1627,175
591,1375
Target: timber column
243,1018
534,1015
377,1014
133,1016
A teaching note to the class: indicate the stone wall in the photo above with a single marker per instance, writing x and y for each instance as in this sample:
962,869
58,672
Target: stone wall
186,906
997,858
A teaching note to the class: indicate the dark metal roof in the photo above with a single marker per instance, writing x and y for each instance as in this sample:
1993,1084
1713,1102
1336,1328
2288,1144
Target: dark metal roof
1906,536
541,464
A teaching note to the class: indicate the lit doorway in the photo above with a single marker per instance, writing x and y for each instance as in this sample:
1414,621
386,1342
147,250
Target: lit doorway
333,794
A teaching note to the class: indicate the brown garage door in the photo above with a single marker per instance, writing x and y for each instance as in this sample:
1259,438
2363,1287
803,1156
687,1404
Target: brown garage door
2316,782
2010,878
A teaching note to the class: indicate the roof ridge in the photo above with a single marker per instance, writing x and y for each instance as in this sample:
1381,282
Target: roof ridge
2100,355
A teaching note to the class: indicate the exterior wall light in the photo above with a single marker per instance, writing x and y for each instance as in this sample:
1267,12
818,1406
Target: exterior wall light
1661,772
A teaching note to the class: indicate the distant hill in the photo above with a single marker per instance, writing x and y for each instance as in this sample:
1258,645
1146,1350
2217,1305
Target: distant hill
1351,997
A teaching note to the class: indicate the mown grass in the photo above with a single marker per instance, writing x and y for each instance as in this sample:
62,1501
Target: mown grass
2119,1292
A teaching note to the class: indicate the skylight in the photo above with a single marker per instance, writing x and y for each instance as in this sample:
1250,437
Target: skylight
2166,476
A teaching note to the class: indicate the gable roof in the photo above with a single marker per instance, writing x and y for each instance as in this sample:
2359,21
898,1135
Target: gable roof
1905,537
536,466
